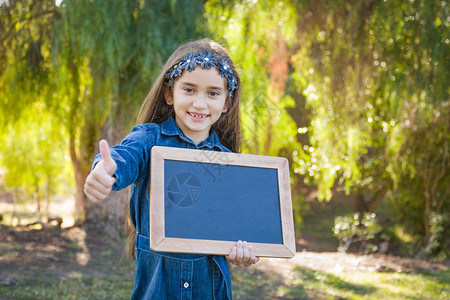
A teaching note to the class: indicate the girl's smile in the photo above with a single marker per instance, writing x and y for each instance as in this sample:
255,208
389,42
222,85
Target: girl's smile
199,99
198,116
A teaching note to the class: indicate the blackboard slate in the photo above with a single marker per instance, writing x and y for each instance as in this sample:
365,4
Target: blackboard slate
195,210
204,201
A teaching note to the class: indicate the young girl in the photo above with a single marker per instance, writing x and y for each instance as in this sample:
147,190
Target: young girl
194,103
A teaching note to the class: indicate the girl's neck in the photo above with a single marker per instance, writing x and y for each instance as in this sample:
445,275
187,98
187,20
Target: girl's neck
196,139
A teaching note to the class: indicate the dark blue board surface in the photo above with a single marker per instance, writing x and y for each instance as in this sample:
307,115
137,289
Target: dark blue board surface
221,202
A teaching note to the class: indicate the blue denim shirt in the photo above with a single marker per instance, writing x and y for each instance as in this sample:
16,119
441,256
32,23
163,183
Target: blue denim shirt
164,275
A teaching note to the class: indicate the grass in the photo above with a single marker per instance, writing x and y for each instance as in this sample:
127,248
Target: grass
310,284
302,283
256,284
77,288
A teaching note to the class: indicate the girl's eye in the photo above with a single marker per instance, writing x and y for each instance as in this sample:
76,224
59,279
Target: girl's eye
214,94
188,90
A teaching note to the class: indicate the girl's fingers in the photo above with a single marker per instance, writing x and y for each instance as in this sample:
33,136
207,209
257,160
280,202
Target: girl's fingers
240,253
253,258
95,190
98,186
105,180
232,255
100,174
96,195
109,163
246,254
91,197
100,181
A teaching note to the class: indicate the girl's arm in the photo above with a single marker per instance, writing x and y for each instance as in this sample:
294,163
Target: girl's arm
242,255
125,163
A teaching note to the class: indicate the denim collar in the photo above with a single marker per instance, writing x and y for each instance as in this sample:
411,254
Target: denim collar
170,128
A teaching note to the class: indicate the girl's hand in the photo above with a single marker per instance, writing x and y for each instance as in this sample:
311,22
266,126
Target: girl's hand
100,181
242,255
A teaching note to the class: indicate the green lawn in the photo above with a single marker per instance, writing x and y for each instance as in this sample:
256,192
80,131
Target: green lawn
310,284
255,284
78,288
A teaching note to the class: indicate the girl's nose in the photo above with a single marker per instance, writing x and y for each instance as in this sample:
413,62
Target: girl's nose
199,103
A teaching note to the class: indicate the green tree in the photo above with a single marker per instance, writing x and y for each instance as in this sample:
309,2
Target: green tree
122,45
30,156
364,78
90,63
374,86
34,158
260,37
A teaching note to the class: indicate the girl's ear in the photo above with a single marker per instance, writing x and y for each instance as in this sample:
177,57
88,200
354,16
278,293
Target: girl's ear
168,95
226,105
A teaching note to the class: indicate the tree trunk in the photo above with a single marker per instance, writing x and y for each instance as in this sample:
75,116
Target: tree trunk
299,113
14,213
379,196
269,134
359,203
81,161
37,196
363,206
80,198
48,195
426,215
111,213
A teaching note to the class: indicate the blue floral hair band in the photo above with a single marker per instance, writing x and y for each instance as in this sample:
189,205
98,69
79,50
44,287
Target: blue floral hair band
206,60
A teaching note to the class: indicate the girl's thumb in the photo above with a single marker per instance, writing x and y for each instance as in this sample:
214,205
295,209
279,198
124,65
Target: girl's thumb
108,162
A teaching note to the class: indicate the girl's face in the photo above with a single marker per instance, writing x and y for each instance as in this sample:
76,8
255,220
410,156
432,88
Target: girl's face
199,99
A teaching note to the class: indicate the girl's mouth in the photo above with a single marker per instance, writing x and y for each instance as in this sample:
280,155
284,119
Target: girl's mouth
199,116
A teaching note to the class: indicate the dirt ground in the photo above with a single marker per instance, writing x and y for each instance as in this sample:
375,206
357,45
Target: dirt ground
55,253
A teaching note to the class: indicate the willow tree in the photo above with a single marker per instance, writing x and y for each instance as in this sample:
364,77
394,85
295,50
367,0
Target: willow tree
26,29
259,45
116,48
260,36
90,63
34,160
377,80
32,154
365,83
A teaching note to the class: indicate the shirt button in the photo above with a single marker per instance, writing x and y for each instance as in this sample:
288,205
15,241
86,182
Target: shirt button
186,285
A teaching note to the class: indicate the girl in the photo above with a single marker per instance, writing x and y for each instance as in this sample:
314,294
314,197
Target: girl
194,103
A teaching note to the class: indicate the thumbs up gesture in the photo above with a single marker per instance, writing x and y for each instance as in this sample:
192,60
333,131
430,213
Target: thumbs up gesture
100,181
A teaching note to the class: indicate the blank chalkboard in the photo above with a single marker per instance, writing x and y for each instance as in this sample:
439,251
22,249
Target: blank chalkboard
204,201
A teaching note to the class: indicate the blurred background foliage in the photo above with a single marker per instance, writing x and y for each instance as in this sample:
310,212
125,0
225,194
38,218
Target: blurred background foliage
354,93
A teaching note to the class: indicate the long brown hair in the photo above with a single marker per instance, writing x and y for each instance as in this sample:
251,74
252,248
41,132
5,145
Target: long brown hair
156,110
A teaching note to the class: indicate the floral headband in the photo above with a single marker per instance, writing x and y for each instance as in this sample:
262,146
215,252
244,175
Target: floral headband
206,60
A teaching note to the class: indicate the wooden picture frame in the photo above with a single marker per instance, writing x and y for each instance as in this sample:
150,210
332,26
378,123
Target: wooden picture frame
204,201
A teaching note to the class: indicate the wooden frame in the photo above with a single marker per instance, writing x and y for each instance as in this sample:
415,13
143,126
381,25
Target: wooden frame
158,194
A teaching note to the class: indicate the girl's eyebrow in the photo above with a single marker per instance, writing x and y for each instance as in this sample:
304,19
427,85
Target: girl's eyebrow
210,87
